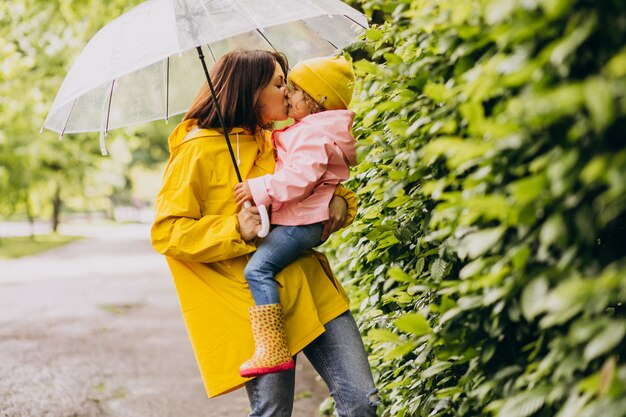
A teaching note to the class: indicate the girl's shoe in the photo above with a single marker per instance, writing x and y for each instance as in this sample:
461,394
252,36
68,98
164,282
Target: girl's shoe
271,353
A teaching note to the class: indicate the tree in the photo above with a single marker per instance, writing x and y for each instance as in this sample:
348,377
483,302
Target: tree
38,42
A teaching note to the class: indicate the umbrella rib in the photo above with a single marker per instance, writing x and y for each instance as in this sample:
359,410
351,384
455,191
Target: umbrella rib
266,40
211,51
349,18
106,128
104,132
68,119
313,29
167,89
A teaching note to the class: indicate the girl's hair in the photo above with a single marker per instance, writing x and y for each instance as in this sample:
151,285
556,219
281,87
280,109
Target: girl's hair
238,78
314,105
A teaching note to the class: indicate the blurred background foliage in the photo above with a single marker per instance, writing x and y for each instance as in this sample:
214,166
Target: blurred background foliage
40,176
486,265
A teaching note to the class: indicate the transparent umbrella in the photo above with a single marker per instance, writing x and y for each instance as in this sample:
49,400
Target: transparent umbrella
143,65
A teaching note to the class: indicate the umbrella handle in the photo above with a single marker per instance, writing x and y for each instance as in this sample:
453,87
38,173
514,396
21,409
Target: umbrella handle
265,220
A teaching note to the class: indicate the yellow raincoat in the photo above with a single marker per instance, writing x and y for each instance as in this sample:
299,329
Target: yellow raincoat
196,227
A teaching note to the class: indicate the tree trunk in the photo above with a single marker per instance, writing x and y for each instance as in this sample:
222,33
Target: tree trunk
56,208
29,215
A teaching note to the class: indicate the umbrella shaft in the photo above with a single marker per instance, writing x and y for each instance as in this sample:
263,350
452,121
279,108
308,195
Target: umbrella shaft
219,112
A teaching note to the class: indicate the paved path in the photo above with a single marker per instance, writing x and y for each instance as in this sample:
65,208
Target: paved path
93,329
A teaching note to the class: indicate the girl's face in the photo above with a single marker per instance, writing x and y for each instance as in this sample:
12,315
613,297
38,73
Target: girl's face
298,105
272,101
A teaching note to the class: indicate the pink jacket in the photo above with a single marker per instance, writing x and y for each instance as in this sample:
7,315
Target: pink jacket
312,157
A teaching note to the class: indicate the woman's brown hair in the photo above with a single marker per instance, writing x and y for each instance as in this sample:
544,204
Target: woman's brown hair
238,78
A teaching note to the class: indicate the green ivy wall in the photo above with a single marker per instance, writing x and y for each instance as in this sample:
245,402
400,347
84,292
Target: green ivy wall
487,264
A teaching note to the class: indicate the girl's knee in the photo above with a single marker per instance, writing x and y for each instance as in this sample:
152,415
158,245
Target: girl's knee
248,271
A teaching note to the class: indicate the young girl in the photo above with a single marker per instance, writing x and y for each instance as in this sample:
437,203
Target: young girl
312,156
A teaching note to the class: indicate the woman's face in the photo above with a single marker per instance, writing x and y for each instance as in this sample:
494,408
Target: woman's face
298,106
273,104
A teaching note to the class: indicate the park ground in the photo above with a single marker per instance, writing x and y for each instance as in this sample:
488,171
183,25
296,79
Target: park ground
93,329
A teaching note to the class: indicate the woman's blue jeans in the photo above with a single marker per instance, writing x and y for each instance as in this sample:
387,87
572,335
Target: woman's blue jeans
281,247
339,358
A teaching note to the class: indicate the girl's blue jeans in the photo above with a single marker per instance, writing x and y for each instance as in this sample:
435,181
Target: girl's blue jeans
339,358
282,246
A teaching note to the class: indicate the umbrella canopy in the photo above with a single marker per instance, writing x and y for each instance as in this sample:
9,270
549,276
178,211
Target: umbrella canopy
143,66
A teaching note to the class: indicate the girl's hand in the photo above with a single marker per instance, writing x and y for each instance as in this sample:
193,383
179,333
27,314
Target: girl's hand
338,210
249,223
242,193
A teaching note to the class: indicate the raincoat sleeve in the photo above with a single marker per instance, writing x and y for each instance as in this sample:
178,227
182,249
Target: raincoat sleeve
306,164
181,230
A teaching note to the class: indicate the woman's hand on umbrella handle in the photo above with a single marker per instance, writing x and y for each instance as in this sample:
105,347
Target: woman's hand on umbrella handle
249,222
260,222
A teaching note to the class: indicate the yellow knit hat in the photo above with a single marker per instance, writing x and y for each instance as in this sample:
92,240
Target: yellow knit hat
328,80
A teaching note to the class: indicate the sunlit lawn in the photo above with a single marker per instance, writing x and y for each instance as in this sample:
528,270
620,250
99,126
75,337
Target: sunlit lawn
18,246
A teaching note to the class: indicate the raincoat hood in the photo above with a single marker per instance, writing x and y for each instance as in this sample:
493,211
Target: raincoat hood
334,124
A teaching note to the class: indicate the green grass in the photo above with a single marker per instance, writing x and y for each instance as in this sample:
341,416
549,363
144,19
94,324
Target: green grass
19,246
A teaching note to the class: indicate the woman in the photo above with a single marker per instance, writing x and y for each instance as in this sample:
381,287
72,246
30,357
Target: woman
207,241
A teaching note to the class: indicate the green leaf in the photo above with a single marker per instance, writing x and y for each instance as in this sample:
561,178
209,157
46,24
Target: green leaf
398,127
477,244
547,106
474,113
519,257
522,405
392,58
616,67
374,34
473,268
435,369
413,323
364,67
528,189
461,12
553,230
457,150
568,44
573,405
498,11
419,266
399,201
446,304
609,337
532,302
599,101
383,335
565,301
397,274
486,207
555,8
595,169
438,268
400,351
437,92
